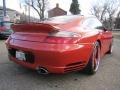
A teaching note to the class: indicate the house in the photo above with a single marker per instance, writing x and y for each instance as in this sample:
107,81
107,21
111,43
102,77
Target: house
57,11
12,14
16,16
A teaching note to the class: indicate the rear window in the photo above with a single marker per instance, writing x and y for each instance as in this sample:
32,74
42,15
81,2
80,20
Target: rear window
62,19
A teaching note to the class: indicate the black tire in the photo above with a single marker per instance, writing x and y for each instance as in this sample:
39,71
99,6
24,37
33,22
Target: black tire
94,60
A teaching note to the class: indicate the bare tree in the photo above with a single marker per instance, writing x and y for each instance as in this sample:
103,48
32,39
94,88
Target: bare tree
39,6
117,21
105,9
99,11
112,10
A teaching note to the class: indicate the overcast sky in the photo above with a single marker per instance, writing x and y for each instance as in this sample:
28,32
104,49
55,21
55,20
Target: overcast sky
64,4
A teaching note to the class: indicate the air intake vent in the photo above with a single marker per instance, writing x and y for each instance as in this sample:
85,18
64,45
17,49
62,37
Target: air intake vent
74,67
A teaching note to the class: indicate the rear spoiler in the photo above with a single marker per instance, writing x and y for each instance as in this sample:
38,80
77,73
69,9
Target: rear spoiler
33,28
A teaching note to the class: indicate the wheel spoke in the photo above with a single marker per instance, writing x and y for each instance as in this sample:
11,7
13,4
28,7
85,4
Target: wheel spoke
96,56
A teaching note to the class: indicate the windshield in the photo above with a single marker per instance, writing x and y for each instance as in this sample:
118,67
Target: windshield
61,19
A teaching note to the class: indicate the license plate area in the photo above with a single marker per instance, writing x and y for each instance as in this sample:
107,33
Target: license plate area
20,56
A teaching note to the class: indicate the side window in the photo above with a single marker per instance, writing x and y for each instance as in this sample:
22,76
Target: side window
92,23
97,24
86,23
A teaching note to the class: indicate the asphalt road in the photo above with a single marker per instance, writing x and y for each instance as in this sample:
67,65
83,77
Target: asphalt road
15,77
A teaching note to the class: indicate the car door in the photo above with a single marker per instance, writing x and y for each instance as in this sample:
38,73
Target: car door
104,34
106,37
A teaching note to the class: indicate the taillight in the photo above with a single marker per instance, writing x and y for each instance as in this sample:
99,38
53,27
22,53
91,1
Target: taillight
2,28
64,34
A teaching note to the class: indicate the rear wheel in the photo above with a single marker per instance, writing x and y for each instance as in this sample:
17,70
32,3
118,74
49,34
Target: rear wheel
94,60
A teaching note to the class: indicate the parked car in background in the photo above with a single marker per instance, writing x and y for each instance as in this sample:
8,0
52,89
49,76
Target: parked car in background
5,29
60,44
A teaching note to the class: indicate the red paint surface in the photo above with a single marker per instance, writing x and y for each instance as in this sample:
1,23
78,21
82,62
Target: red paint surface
2,28
56,53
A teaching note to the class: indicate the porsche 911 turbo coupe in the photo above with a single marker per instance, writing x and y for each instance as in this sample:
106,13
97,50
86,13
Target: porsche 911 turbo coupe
60,44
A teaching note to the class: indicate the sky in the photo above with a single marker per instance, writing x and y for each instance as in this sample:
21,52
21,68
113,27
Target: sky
64,4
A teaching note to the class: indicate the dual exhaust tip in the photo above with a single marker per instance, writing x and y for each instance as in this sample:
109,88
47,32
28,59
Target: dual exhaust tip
42,71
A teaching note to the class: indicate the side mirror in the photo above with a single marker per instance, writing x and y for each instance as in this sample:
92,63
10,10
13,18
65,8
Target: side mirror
105,29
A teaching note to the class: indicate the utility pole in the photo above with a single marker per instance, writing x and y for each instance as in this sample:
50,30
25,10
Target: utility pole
29,10
25,12
4,8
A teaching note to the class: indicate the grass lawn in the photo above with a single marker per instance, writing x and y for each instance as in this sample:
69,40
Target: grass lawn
116,36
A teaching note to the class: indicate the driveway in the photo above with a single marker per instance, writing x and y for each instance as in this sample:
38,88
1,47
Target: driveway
15,77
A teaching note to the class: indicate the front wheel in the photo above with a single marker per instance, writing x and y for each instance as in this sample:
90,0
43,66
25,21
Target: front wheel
94,60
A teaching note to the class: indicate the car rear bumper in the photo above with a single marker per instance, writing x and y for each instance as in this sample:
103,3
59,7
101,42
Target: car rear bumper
55,58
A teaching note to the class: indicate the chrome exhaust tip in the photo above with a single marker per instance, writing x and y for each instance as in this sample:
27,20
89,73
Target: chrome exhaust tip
42,71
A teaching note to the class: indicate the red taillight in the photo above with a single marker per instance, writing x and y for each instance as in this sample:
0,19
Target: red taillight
2,28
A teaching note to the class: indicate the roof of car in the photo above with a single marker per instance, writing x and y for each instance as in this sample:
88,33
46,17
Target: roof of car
78,15
67,18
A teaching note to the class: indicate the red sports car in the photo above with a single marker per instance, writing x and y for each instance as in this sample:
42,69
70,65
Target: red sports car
60,44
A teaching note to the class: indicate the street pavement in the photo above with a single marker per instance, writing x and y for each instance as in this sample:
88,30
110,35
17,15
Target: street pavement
15,77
